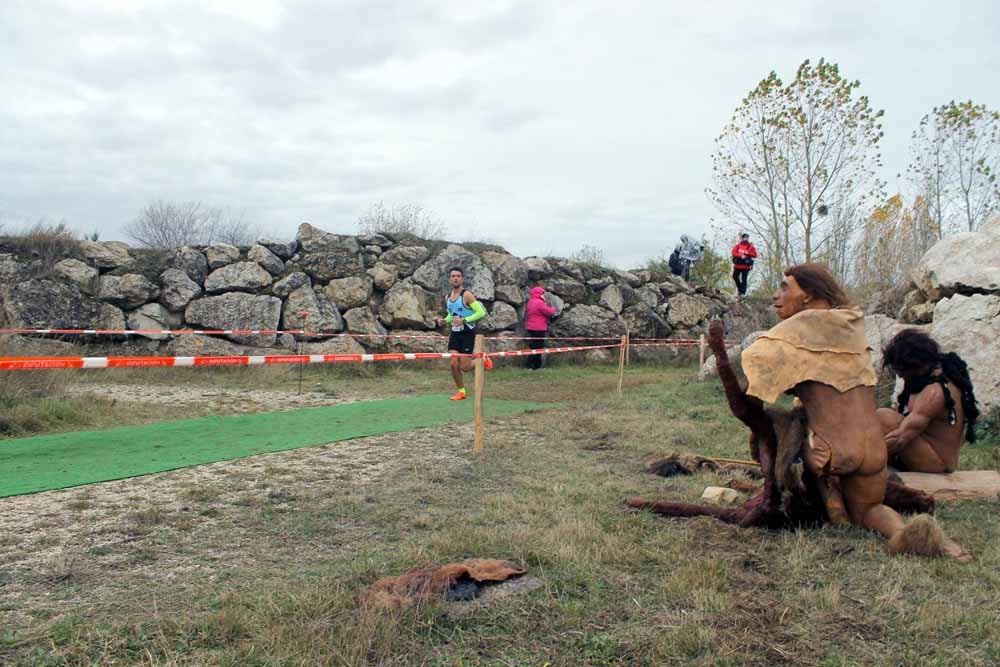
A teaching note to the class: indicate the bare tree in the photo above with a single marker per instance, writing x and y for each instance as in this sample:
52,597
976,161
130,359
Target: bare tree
169,225
891,243
797,165
955,159
401,219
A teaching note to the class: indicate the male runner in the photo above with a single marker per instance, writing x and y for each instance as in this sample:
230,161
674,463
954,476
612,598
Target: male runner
463,313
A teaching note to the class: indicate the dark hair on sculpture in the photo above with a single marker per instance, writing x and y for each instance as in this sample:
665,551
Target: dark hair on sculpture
456,268
817,281
914,353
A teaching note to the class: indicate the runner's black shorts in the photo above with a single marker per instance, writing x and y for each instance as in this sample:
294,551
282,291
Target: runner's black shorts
462,341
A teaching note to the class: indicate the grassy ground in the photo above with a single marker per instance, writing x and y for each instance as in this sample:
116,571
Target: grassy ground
260,562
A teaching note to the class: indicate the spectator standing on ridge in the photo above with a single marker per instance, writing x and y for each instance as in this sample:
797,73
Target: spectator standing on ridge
463,312
743,255
687,252
537,314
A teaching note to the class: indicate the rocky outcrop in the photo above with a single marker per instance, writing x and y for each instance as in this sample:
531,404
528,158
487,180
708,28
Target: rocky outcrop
970,326
267,260
384,276
966,263
238,277
153,316
106,255
289,284
190,261
688,310
351,292
239,311
178,289
582,320
76,272
408,305
326,256
48,304
221,254
363,321
405,259
306,309
128,291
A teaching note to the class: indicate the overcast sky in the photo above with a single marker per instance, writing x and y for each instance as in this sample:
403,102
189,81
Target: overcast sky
541,126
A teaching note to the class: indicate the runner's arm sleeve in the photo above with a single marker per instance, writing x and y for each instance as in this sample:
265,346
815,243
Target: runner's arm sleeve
478,312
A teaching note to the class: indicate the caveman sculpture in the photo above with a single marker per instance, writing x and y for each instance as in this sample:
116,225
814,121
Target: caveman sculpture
819,354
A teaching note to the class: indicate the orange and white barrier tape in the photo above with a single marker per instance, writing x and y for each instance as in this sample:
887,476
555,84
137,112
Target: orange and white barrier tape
54,363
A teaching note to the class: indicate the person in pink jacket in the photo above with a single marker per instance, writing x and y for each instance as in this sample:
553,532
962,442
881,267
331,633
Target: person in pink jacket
536,324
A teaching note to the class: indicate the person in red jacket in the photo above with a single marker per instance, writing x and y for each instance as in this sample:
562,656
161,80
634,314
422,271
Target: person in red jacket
536,325
743,256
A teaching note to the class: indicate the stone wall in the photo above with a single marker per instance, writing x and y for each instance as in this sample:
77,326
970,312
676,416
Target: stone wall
333,283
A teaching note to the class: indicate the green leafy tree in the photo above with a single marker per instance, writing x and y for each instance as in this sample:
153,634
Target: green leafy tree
796,166
955,158
713,270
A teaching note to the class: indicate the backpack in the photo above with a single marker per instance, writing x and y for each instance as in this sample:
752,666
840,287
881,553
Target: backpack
675,262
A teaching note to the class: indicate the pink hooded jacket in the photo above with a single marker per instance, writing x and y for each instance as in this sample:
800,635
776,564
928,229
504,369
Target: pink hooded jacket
537,313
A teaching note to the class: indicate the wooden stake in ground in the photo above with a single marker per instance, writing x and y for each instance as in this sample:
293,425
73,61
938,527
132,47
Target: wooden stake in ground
628,346
701,351
621,362
477,398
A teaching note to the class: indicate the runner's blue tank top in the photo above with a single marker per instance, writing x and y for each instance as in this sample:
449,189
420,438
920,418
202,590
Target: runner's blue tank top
458,307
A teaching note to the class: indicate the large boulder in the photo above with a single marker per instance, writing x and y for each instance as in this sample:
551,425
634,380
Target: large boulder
326,256
128,291
583,321
312,311
569,289
433,274
238,277
376,239
49,304
966,263
177,289
672,285
629,278
506,268
190,261
363,321
283,249
267,259
74,271
221,254
153,316
197,345
409,340
107,254
406,259
511,294
384,276
350,292
688,310
648,295
340,345
537,268
289,284
239,311
644,322
970,326
410,306
501,316
612,299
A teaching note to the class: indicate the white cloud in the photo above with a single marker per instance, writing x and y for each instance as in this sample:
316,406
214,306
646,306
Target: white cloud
540,125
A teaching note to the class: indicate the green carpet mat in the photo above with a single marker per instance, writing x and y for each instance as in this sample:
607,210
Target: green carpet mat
43,463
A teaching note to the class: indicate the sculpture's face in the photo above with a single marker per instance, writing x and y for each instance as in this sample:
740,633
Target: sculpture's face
789,299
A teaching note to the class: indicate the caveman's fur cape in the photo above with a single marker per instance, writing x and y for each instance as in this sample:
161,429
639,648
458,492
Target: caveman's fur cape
827,346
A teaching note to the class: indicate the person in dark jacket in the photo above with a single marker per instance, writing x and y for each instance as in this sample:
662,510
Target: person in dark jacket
743,255
537,314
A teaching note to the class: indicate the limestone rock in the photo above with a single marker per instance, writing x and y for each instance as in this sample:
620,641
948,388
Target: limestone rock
433,274
970,326
350,292
384,276
410,306
238,277
649,296
313,311
423,341
221,254
538,268
597,284
673,285
501,316
568,269
49,304
326,256
379,240
735,354
611,298
644,322
556,302
911,299
511,294
283,249
197,345
406,259
153,316
190,261
721,494
630,279
78,273
922,313
340,345
966,263
289,284
363,321
267,259
107,254
569,289
237,310
178,289
128,291
584,320
506,268
688,310
10,269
